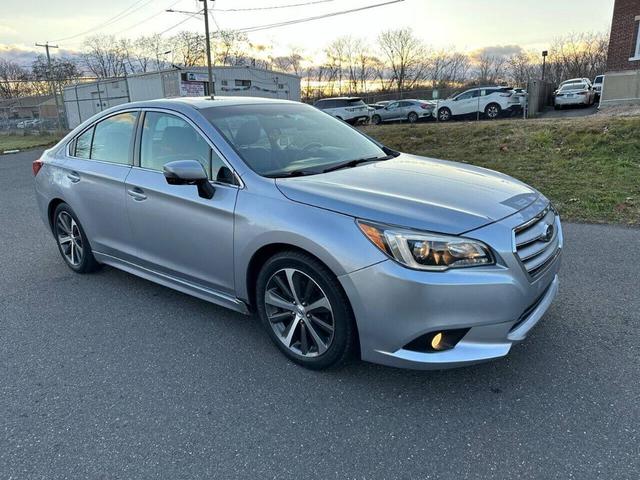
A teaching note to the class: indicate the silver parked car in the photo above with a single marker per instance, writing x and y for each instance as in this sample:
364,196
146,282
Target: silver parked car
409,110
341,245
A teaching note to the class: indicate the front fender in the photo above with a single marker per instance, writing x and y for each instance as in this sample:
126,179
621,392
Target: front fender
266,220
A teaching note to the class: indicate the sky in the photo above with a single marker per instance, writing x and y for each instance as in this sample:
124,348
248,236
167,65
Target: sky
462,24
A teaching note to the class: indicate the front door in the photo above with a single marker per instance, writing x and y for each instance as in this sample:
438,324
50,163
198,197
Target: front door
177,232
466,103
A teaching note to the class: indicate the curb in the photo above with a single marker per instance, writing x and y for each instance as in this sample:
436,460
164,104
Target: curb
10,151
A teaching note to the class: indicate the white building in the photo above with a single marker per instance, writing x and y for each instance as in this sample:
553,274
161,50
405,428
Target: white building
84,100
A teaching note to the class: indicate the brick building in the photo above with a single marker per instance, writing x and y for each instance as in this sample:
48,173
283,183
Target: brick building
622,80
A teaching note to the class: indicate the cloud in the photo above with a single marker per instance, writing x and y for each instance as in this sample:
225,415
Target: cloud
25,55
499,51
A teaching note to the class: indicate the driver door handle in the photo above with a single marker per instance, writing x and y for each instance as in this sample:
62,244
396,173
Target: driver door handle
136,193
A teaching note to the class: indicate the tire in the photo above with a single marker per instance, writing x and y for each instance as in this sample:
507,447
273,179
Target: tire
444,114
72,242
323,337
376,120
492,111
413,117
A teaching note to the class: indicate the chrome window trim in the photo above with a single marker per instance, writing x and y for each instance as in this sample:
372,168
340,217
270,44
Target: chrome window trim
203,135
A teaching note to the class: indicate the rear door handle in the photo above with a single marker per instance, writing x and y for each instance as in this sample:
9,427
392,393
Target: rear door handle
137,194
73,176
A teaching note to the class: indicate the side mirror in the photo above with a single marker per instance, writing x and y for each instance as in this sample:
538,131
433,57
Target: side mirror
189,172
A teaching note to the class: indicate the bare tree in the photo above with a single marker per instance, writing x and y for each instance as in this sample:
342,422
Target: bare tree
13,80
104,56
404,54
490,68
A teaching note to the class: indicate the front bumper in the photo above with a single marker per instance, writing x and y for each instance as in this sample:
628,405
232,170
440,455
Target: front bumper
499,304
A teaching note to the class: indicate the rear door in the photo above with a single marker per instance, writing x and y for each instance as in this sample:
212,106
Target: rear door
99,160
177,232
466,102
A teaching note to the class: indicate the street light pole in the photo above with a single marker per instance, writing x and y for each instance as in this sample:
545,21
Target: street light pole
208,44
544,62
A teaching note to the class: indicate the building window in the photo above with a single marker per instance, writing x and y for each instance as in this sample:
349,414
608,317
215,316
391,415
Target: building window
224,82
243,83
281,86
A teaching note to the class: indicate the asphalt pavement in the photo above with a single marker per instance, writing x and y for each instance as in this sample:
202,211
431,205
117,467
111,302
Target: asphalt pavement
108,376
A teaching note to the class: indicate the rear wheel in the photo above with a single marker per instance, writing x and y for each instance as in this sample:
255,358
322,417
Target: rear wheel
492,111
444,114
412,117
304,310
72,241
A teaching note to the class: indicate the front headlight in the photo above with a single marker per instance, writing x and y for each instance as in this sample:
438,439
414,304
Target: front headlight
426,251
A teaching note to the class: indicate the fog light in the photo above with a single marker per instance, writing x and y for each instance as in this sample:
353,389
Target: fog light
436,341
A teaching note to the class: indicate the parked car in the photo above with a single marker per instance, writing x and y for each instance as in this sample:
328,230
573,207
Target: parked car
576,81
597,86
574,94
409,110
340,244
492,102
352,110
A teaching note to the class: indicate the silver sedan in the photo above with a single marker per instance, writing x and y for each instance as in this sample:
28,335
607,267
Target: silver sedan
340,245
403,110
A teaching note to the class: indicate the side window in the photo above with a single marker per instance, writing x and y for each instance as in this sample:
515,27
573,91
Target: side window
166,138
405,104
112,138
83,144
393,105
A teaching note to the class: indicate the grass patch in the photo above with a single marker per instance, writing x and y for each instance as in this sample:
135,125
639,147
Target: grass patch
589,167
24,142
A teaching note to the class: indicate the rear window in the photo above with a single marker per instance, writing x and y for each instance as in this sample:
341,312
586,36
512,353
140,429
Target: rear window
354,102
598,80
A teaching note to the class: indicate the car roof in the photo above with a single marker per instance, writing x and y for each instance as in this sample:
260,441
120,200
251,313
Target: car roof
341,98
205,102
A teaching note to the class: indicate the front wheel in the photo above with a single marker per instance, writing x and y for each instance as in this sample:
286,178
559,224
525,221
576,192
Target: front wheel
444,114
492,111
304,310
376,120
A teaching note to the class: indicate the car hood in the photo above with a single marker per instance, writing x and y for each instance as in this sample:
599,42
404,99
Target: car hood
414,192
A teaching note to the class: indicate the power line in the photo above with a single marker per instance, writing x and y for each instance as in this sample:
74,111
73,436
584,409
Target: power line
192,15
129,27
126,12
317,17
273,7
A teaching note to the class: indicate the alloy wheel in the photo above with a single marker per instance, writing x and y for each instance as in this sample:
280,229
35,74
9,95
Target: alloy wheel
299,312
492,111
69,238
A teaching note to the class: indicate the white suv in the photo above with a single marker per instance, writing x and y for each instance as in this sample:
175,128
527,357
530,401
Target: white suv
352,110
490,101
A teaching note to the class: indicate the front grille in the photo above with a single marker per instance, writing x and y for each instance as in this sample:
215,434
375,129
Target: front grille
538,241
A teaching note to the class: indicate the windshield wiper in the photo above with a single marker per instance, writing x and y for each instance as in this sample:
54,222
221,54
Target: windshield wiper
356,162
292,173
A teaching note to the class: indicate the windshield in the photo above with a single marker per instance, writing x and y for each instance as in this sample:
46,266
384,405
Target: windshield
278,139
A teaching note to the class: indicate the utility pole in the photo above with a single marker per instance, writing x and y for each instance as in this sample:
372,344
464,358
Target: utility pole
52,85
212,87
